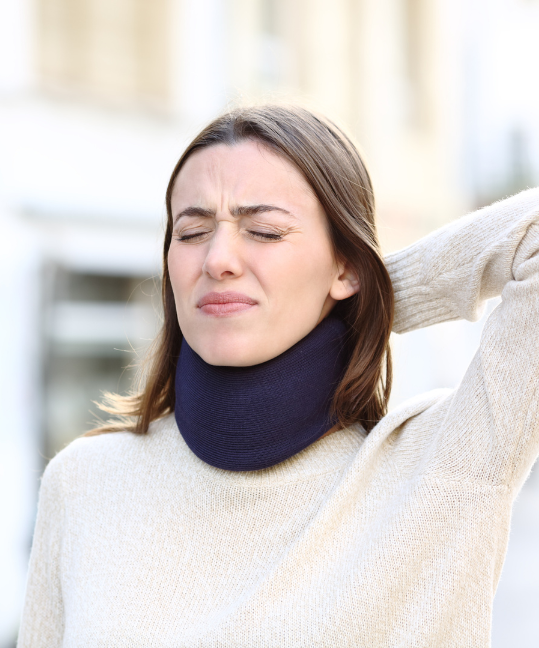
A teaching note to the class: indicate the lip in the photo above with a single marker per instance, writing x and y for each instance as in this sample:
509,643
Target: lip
225,303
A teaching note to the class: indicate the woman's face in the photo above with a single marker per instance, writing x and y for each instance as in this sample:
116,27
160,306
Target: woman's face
251,262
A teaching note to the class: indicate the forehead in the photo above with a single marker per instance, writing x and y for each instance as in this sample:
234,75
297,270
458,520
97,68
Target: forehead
244,171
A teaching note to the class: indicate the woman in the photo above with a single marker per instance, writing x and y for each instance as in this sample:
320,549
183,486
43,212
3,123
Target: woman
256,492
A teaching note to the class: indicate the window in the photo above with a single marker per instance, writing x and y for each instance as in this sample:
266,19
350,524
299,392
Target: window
116,49
415,58
271,47
94,326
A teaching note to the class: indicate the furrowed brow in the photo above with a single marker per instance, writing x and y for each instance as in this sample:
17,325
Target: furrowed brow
244,210
252,210
194,211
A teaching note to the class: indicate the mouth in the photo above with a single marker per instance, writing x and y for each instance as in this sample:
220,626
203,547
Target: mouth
225,303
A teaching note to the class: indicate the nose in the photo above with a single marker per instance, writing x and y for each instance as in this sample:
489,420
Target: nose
223,258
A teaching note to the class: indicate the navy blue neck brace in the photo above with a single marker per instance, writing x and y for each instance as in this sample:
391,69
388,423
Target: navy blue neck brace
248,418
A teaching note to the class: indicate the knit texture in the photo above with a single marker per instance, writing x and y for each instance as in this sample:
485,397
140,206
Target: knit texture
392,539
248,418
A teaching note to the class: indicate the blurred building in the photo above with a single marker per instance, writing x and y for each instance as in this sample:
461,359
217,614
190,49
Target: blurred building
98,99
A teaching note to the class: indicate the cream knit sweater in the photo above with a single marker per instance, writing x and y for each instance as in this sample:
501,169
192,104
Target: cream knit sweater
395,539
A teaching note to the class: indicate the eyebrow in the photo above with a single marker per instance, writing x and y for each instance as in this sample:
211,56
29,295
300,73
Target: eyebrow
245,210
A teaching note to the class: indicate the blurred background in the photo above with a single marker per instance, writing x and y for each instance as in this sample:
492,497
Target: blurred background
98,99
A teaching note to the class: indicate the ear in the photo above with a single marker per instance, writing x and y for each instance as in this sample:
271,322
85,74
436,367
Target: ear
346,282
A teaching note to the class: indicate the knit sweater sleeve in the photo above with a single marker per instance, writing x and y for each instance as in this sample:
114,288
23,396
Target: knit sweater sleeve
42,623
491,429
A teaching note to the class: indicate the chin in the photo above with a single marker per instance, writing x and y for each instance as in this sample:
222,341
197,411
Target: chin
229,351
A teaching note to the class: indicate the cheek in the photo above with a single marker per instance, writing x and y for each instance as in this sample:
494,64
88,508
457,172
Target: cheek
295,271
184,268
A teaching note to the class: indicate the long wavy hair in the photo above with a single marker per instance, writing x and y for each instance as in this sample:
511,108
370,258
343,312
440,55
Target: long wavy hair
333,167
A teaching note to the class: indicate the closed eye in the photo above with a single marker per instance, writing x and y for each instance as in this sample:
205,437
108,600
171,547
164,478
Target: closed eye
266,235
189,237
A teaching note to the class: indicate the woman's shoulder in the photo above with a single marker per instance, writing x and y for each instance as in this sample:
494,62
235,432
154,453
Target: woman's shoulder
112,453
418,408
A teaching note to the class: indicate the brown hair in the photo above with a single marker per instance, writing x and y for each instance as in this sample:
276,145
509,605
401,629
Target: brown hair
333,167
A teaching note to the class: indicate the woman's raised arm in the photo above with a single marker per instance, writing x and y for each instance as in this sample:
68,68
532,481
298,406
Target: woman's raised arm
43,618
449,274
491,428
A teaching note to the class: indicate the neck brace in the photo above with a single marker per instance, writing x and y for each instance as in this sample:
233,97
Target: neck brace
248,418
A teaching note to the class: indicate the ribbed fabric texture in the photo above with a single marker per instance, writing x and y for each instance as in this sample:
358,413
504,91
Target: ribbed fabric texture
391,540
248,418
